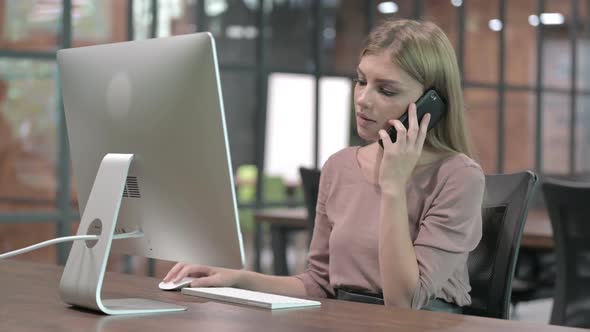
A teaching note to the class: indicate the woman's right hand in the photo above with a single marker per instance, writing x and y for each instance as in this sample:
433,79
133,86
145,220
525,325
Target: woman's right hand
205,276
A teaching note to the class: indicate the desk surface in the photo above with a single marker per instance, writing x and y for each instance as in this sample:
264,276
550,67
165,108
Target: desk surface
537,231
30,301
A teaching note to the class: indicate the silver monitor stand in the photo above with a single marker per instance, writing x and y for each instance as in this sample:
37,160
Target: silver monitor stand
81,281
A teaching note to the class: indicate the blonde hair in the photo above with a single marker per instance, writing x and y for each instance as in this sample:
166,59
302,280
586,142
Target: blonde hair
423,51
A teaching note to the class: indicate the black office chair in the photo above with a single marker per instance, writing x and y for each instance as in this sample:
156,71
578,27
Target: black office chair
536,268
310,179
491,264
568,204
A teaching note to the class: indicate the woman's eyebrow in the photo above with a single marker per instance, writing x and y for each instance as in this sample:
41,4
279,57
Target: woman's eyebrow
380,80
386,81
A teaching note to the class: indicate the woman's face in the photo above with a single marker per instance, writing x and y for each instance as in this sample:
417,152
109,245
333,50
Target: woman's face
382,92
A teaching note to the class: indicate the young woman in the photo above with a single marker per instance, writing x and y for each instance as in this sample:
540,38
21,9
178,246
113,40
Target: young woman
399,220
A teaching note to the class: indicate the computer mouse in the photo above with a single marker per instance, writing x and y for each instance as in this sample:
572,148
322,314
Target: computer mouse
175,286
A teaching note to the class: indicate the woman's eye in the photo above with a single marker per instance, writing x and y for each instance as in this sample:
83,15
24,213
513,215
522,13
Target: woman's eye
359,81
388,93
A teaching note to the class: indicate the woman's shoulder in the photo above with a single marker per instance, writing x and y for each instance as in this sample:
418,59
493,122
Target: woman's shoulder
460,161
462,167
340,158
345,153
454,166
341,164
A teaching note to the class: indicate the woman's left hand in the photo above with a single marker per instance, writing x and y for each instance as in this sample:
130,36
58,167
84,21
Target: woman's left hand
400,157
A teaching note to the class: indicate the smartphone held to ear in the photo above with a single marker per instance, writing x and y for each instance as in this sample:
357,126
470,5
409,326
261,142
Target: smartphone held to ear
429,102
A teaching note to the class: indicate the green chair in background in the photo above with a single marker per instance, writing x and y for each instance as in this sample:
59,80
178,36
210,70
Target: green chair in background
275,192
246,176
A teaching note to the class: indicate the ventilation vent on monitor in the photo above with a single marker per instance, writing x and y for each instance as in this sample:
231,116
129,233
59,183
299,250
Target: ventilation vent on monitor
131,188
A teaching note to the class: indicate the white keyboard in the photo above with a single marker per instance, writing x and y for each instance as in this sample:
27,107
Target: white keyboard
242,296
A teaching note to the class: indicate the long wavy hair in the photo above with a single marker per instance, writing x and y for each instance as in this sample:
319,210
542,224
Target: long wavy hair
424,52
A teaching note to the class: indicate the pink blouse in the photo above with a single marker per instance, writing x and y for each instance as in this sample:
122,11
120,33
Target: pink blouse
444,212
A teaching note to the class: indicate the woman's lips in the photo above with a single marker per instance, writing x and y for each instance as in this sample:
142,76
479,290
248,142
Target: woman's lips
364,121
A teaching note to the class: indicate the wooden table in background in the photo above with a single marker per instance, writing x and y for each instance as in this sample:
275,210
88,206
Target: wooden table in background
281,220
30,301
293,217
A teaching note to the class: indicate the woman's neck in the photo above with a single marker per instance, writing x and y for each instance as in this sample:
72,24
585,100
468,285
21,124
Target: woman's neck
369,159
428,155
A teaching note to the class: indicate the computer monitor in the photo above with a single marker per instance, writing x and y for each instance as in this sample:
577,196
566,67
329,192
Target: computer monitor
150,157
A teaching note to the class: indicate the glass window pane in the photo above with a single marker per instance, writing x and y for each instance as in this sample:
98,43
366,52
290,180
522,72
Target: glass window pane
583,134
99,22
443,14
28,132
289,125
394,9
291,122
30,25
556,128
482,117
583,47
481,42
519,124
142,19
344,29
335,115
233,23
521,43
176,17
239,95
556,48
239,98
583,64
290,31
240,101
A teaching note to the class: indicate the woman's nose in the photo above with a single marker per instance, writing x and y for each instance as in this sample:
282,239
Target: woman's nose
363,98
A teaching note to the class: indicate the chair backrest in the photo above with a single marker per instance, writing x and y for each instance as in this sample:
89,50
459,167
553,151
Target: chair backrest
310,179
568,204
491,265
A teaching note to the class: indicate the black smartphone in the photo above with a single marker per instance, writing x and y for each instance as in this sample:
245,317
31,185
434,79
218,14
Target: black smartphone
429,102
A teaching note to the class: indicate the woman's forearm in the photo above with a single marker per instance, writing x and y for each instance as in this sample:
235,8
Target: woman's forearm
397,258
259,282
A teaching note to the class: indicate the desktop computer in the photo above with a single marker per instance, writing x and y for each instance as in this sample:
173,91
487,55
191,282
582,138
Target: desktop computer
150,159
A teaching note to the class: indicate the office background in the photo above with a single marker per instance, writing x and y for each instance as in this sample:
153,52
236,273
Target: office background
525,67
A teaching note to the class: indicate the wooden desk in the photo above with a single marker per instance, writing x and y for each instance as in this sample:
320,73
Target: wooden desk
29,301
